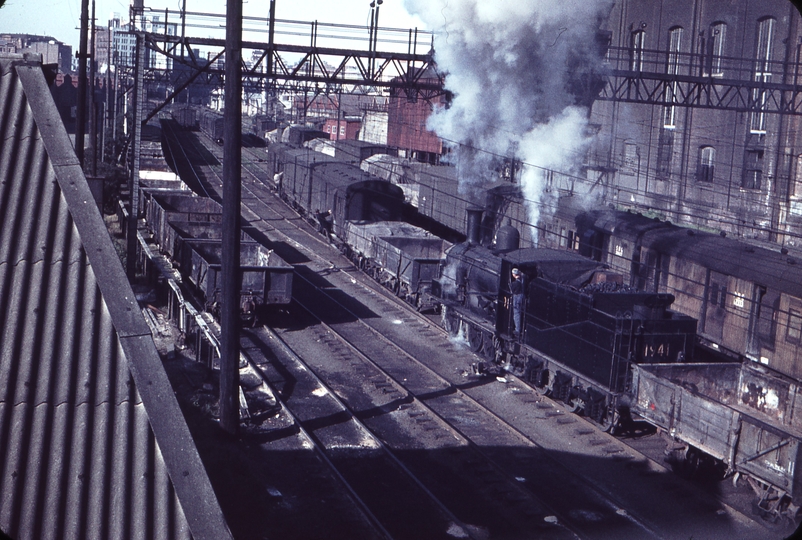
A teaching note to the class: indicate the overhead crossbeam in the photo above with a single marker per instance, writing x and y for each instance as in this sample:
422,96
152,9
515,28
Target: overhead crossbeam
702,92
376,69
700,80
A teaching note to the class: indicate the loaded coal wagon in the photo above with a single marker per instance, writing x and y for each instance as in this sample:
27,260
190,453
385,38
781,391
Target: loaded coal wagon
266,277
404,258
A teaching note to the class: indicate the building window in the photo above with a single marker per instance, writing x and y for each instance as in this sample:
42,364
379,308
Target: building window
665,153
631,161
763,50
342,130
637,46
798,177
794,330
753,169
706,168
715,49
672,68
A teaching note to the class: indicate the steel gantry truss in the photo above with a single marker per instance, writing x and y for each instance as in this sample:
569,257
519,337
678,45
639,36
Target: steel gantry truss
732,84
410,72
320,65
704,92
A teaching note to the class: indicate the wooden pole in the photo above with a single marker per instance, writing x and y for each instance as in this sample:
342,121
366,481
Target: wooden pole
231,275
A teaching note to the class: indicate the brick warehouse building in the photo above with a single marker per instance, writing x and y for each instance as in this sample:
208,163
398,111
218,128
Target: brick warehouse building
710,166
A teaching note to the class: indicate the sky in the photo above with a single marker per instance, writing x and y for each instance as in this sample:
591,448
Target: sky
61,18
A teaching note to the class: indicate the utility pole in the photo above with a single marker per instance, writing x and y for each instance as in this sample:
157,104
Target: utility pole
80,116
230,267
92,104
136,144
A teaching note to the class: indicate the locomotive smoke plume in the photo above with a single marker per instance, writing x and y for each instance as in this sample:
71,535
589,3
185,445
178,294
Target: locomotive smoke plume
514,68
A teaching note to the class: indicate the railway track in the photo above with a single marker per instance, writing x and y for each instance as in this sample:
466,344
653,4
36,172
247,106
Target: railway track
493,474
598,467
391,497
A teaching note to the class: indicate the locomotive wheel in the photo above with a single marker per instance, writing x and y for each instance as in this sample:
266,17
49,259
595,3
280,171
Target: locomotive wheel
475,338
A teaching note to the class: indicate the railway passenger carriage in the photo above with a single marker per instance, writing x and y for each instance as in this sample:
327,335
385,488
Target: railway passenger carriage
748,299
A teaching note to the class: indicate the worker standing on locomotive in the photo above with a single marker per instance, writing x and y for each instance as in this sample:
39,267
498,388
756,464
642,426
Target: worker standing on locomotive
517,290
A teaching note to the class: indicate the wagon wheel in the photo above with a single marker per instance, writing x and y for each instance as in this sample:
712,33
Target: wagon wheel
545,388
577,406
475,338
488,347
611,422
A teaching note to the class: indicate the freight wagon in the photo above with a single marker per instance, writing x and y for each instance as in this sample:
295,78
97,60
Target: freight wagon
266,278
400,256
743,416
188,229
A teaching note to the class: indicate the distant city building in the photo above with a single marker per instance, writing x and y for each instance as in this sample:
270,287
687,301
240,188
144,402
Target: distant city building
346,128
406,124
374,125
52,50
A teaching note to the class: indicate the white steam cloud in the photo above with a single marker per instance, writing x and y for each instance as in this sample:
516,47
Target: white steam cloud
518,70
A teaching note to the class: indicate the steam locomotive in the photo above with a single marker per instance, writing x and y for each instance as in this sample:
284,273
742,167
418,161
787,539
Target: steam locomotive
581,330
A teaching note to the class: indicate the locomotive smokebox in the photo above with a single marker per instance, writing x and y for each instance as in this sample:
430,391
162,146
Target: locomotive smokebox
474,225
507,238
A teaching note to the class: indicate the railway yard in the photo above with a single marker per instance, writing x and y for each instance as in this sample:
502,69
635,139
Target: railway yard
363,418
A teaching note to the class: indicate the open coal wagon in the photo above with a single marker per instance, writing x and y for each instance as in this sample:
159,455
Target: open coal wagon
745,417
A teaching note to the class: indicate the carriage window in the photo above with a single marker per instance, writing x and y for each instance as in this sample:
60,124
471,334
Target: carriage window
718,295
794,331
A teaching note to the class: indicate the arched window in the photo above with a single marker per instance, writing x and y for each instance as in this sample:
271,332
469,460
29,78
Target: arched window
706,167
637,44
672,68
715,49
763,69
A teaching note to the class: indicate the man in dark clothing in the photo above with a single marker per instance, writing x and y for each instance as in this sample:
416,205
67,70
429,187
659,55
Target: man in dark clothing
517,290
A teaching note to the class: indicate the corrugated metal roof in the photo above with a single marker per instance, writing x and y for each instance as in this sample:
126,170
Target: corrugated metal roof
92,442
